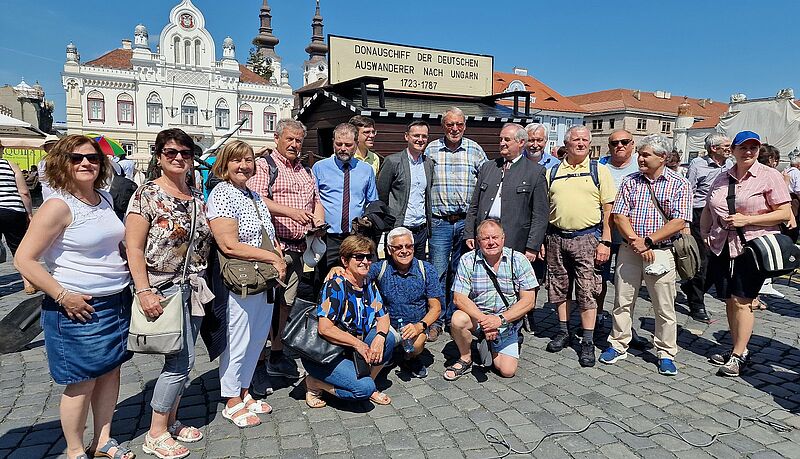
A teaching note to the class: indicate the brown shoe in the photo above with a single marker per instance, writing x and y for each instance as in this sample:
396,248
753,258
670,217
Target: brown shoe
433,333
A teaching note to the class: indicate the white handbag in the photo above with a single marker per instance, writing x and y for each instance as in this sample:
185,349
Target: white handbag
163,334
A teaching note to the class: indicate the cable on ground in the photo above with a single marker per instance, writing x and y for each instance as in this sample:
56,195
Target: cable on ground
495,438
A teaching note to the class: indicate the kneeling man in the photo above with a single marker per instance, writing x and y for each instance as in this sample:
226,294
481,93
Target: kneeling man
493,289
411,295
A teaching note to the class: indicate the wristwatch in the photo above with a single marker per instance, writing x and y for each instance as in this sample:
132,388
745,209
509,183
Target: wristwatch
503,321
606,243
648,242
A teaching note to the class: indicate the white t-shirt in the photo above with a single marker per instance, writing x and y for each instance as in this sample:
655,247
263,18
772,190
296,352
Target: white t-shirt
86,257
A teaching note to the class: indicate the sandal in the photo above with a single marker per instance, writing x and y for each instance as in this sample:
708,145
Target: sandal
155,445
314,399
240,421
380,398
457,372
257,406
178,431
121,452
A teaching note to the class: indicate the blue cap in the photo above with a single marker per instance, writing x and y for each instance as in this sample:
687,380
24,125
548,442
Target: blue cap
744,136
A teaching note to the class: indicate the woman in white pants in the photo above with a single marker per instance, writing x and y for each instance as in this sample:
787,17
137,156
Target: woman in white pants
237,224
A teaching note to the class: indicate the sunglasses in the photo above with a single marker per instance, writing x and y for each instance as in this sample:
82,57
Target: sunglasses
624,142
361,256
402,247
171,153
77,158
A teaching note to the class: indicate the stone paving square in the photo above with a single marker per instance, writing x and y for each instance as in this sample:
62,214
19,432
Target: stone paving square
433,418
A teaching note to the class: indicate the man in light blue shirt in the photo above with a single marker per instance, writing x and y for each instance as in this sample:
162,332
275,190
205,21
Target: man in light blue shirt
536,148
346,185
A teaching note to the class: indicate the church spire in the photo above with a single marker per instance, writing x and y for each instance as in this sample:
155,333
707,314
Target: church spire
317,49
265,41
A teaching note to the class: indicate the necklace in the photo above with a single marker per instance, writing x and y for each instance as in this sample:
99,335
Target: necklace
86,201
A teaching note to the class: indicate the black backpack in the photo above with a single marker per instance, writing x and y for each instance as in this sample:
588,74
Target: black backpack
122,189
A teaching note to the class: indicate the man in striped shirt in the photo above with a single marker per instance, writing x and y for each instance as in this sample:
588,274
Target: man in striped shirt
456,162
649,229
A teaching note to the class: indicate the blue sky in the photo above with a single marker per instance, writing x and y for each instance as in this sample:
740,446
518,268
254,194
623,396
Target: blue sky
696,48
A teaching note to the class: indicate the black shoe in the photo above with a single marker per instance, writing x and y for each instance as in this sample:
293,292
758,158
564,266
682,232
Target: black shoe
558,343
416,368
639,343
700,314
586,358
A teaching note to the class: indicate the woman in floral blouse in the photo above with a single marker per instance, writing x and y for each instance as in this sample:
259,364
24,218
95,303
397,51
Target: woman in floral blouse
157,233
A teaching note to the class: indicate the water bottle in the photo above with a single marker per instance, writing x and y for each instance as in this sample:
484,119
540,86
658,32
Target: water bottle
408,345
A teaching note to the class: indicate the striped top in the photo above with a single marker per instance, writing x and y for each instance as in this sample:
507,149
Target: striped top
10,198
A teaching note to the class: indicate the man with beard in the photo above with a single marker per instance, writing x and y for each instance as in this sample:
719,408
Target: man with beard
346,185
456,162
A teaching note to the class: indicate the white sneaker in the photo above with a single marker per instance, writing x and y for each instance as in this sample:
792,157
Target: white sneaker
768,289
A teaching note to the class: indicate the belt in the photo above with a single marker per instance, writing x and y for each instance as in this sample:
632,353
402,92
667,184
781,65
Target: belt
551,229
452,218
418,228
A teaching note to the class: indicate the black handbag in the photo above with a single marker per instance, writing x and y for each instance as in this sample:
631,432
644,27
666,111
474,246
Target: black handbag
774,254
301,335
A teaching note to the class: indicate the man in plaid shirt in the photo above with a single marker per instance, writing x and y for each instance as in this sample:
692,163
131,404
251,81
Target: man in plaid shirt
295,208
480,306
456,162
647,251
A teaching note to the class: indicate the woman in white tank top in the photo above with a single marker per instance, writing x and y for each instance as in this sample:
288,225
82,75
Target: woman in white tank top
86,313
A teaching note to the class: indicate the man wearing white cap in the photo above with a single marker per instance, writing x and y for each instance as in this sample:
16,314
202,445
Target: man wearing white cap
290,192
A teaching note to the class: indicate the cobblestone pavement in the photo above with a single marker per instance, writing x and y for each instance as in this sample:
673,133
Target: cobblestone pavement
439,419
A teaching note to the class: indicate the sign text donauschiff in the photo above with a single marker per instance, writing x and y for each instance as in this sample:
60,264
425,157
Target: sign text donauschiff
411,68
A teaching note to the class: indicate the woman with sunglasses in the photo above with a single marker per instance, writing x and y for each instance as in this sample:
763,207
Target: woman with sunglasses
351,315
238,217
86,313
158,233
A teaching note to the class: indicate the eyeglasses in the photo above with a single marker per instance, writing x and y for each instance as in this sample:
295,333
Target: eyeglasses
361,257
77,158
171,153
453,124
624,142
402,247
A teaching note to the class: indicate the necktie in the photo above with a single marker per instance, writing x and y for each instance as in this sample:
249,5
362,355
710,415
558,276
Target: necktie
346,198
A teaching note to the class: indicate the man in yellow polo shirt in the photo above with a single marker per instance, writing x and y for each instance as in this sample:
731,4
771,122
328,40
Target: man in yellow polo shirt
366,141
578,237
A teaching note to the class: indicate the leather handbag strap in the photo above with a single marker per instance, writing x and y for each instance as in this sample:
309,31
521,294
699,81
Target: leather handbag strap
731,200
266,243
191,241
655,201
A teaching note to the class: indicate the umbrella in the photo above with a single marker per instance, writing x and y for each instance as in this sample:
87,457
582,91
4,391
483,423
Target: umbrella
109,146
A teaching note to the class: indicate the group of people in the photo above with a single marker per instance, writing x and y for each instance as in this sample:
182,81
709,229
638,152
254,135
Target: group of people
493,230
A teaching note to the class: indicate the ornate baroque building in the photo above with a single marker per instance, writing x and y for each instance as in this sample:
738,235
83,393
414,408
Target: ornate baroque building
131,93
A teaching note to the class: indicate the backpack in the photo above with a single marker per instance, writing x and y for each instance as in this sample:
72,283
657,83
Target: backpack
592,173
122,189
386,262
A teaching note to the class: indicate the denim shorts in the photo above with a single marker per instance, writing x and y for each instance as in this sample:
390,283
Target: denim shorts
80,351
507,342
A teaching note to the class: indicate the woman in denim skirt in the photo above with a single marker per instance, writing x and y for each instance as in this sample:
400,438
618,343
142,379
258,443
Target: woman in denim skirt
158,234
86,313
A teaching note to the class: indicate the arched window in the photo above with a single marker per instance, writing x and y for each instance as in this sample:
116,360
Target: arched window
187,51
96,106
176,48
270,116
246,113
189,111
197,52
154,108
222,115
125,109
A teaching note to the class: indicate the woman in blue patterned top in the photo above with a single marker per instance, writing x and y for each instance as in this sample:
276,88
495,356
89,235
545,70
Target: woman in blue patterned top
351,315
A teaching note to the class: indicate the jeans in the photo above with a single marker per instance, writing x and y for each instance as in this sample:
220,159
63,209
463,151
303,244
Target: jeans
174,377
446,247
341,373
696,287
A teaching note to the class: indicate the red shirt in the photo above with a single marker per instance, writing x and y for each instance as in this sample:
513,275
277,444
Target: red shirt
294,187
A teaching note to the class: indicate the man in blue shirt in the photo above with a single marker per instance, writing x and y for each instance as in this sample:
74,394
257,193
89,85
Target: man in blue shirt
346,185
411,295
536,148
